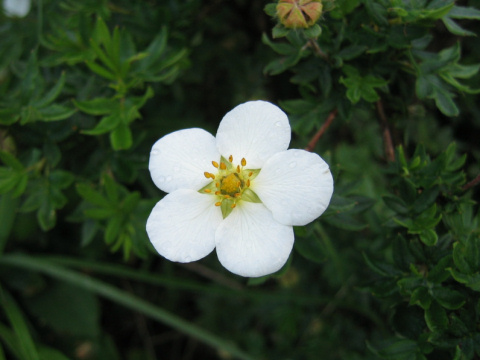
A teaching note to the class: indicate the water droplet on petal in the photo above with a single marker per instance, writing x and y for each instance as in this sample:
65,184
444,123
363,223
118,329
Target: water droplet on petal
278,124
292,164
155,152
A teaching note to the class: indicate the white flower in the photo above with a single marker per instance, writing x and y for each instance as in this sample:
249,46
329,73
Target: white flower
241,192
16,8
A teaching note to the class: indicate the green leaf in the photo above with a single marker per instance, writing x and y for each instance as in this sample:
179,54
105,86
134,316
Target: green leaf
462,12
92,196
471,281
126,299
436,317
99,213
47,353
52,94
100,70
420,296
22,334
121,137
448,298
10,160
279,47
107,124
97,106
429,237
46,214
101,33
311,249
313,32
113,228
55,112
456,29
60,304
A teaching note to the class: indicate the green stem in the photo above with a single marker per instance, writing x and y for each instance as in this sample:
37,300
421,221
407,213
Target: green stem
182,284
126,299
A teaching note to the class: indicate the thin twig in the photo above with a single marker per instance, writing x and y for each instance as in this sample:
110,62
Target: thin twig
472,183
321,131
387,136
213,275
316,49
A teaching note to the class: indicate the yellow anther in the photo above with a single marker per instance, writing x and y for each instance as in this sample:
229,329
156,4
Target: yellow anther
230,158
208,191
218,203
233,206
217,192
223,166
250,173
209,175
238,169
237,195
214,163
248,182
226,196
217,185
244,162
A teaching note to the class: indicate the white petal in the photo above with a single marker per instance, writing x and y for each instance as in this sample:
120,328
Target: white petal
255,131
19,8
251,243
182,225
178,160
295,185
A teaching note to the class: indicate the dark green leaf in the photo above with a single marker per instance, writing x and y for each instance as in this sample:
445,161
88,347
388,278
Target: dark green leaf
121,137
436,317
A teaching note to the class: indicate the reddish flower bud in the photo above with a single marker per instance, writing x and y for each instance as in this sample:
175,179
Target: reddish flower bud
295,14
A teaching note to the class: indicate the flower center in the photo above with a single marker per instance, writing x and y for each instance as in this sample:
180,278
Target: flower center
230,184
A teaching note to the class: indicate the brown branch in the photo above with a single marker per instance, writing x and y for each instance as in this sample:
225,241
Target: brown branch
387,136
472,183
213,275
316,49
321,131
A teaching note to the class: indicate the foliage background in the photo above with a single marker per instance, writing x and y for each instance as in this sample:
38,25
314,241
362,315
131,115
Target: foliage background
390,271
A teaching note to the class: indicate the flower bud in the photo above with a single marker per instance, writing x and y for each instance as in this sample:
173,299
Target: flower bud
295,14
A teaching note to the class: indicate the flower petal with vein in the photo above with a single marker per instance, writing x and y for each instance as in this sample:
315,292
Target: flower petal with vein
240,192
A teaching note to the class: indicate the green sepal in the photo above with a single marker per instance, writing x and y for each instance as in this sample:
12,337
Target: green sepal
210,186
250,196
226,207
254,172
227,163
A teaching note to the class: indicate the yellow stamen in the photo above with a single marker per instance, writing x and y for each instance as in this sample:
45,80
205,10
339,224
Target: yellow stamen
217,192
244,162
238,169
208,191
214,163
217,185
226,196
250,174
233,206
223,166
230,158
248,182
237,195
209,175
218,203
